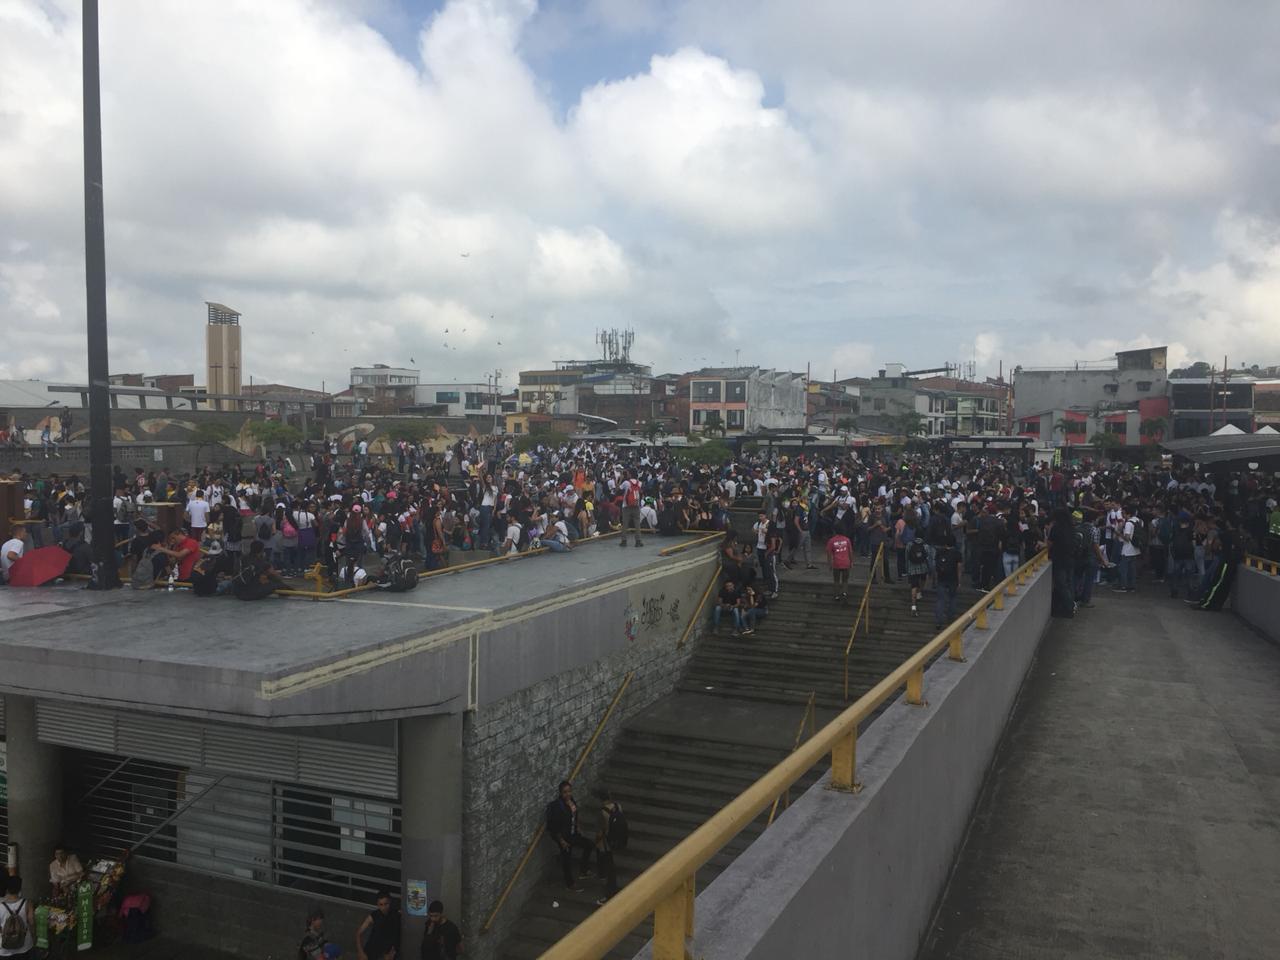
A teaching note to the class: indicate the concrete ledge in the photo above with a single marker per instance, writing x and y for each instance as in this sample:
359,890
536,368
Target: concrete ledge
860,875
1257,601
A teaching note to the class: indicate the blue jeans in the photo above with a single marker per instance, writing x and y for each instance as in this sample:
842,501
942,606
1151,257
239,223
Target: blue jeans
1128,572
1183,574
555,546
737,617
1085,579
944,605
1011,561
485,535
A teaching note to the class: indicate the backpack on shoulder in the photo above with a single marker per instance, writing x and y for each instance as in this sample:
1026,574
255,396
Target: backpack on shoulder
916,554
399,574
13,932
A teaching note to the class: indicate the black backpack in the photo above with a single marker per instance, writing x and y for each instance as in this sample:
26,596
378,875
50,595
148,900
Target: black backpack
617,832
916,553
399,574
1079,545
946,565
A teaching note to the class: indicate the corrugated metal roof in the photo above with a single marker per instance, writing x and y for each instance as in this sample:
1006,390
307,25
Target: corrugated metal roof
1249,446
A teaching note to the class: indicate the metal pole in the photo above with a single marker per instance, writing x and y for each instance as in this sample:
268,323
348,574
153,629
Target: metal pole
95,277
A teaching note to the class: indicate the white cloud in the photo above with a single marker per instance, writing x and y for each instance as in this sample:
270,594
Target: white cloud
693,138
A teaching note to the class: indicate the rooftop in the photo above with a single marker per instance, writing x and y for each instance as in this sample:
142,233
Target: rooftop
288,661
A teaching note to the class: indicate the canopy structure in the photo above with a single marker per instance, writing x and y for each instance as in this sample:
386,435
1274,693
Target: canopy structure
1227,430
1230,451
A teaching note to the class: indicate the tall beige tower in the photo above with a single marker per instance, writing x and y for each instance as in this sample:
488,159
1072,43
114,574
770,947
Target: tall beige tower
222,350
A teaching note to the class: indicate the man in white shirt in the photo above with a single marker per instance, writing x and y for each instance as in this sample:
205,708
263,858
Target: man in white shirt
1129,551
13,549
198,515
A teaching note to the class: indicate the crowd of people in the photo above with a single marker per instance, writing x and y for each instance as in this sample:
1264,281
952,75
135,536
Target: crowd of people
933,521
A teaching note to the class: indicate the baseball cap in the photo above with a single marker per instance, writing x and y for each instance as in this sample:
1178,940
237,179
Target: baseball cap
1077,515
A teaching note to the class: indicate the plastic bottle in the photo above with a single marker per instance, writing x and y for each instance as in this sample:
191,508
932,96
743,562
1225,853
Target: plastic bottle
173,576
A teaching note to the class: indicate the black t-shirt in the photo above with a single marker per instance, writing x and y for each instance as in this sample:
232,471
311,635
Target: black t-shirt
384,933
441,941
728,596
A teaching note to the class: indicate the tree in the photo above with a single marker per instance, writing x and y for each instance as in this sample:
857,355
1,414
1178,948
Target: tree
1153,428
273,433
847,426
210,432
909,424
1107,444
714,452
713,426
1067,427
531,440
652,429
412,431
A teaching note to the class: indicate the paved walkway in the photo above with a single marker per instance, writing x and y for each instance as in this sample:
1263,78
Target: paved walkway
1134,806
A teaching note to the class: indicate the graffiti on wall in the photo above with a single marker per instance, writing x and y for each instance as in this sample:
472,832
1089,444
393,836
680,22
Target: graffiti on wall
649,614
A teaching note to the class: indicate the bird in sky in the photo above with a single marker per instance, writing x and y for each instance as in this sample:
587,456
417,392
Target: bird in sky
464,254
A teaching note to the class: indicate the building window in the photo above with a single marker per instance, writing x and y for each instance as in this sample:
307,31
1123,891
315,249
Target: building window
736,419
447,396
735,391
877,403
475,401
699,417
705,391
1144,385
1117,426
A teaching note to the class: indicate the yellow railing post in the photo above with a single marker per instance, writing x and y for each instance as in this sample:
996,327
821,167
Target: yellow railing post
980,621
997,601
673,923
843,758
915,687
956,645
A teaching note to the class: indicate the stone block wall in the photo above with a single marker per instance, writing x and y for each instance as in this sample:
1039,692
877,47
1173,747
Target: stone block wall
519,748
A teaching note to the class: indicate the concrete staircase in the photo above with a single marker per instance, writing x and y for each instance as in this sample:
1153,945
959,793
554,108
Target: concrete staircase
734,716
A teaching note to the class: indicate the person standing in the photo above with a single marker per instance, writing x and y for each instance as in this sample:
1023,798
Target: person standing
17,920
840,559
947,568
562,828
631,491
197,514
612,836
312,945
441,938
1130,551
379,932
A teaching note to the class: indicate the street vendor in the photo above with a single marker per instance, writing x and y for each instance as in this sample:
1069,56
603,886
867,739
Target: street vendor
65,870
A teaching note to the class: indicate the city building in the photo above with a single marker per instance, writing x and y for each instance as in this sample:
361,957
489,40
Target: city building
472,401
1133,376
169,382
747,400
971,408
893,395
1200,405
384,389
222,351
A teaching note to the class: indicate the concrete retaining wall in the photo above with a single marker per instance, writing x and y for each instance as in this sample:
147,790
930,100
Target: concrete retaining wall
842,875
519,747
235,917
1257,601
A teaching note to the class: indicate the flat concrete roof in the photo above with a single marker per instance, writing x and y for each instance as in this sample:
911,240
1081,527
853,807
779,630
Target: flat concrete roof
157,650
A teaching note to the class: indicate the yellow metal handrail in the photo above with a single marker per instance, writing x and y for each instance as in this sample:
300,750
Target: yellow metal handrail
666,889
697,613
810,719
677,548
1262,563
537,834
864,610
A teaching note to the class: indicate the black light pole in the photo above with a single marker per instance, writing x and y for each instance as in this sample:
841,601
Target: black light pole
95,280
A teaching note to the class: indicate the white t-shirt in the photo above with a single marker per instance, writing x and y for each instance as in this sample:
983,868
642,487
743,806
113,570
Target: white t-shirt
198,511
1127,549
19,908
10,546
513,534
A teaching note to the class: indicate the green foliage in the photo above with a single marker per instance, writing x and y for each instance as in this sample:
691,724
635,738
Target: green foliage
713,426
847,425
212,431
1154,427
273,433
1068,427
909,424
1106,443
413,431
531,440
713,452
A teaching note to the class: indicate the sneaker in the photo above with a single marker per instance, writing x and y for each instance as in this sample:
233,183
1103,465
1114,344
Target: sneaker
602,901
913,611
1119,590
748,632
810,566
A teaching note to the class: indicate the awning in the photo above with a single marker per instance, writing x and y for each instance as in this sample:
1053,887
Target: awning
1246,448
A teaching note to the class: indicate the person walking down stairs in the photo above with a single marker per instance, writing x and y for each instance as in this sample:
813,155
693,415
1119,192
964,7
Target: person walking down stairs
917,570
840,557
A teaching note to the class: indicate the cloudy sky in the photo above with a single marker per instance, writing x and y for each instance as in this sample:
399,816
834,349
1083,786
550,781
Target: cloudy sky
484,183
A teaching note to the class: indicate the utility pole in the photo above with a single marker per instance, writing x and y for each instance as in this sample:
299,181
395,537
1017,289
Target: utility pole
497,405
95,281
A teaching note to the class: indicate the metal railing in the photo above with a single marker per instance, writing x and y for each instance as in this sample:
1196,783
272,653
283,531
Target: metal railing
1256,562
537,834
863,618
810,720
702,603
666,889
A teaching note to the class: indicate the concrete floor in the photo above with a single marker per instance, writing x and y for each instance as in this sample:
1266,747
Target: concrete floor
1133,809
